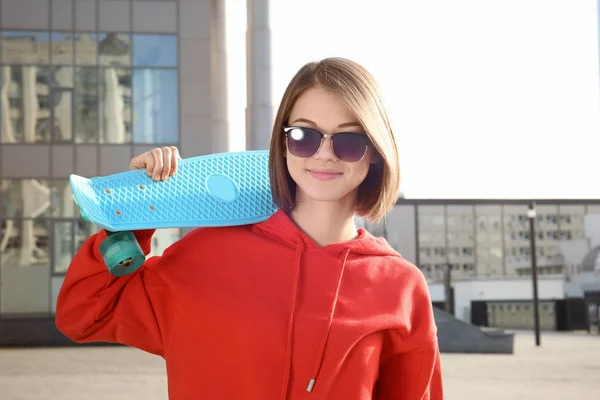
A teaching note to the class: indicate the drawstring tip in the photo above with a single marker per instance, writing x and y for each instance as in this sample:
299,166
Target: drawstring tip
311,384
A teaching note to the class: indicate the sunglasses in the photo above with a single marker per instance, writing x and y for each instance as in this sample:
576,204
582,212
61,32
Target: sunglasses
306,142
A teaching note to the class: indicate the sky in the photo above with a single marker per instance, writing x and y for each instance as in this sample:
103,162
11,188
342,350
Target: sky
490,99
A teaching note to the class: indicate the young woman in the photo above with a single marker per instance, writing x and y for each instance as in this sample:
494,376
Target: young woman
301,306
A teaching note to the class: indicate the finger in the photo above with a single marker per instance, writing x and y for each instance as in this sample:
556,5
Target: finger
138,162
167,155
147,161
158,163
174,159
134,163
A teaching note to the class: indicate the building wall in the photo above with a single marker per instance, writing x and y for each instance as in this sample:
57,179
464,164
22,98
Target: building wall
592,227
487,238
401,234
85,86
497,290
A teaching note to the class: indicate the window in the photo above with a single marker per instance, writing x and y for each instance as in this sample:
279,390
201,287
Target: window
565,219
439,251
28,92
90,88
426,268
154,50
156,106
425,252
86,104
24,198
114,49
62,48
62,253
481,221
525,252
32,210
25,47
24,243
566,235
115,105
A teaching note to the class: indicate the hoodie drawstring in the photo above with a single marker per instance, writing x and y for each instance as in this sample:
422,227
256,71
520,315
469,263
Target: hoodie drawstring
323,345
290,330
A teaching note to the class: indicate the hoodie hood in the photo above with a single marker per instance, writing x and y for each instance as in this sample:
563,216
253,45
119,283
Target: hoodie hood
281,227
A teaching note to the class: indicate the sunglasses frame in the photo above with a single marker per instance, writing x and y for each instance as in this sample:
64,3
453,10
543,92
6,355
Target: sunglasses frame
287,129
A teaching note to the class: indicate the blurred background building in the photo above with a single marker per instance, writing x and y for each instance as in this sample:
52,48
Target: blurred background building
84,86
87,84
485,247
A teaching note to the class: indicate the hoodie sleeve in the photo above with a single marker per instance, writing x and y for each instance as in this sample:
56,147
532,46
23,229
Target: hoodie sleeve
411,366
94,306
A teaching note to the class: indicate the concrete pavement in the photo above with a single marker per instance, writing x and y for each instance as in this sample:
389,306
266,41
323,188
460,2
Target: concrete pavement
567,366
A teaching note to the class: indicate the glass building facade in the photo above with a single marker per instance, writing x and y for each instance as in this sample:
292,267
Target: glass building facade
480,239
84,86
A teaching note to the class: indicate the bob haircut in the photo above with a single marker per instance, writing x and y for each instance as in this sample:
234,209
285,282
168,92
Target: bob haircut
360,92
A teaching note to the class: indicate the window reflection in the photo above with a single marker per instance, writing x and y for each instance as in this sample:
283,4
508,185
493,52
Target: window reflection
86,47
114,49
86,105
115,103
62,114
62,48
83,230
156,106
103,49
61,101
79,87
61,200
25,198
25,100
25,47
154,50
24,242
62,246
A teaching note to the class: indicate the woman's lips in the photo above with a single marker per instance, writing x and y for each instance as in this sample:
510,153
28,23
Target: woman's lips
324,174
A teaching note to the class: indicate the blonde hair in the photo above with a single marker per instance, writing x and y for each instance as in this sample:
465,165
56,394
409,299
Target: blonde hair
358,89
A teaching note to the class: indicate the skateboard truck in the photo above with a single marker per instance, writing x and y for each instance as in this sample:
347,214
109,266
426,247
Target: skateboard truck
122,253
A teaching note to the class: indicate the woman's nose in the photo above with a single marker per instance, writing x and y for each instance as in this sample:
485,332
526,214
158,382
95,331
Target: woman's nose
326,150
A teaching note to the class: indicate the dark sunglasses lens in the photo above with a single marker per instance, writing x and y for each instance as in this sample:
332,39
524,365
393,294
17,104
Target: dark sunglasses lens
349,147
303,142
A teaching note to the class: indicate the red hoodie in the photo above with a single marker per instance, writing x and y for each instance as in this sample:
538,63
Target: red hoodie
261,312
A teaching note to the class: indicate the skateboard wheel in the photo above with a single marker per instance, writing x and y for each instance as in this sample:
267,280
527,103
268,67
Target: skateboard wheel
122,253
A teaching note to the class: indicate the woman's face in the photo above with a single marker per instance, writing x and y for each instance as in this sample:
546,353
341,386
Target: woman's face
324,177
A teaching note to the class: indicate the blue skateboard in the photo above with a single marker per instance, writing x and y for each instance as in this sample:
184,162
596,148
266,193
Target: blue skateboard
224,189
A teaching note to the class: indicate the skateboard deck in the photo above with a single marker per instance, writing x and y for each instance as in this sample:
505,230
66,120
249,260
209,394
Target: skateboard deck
223,189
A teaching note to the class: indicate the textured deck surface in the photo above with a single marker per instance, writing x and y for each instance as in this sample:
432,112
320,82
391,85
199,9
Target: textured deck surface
210,190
